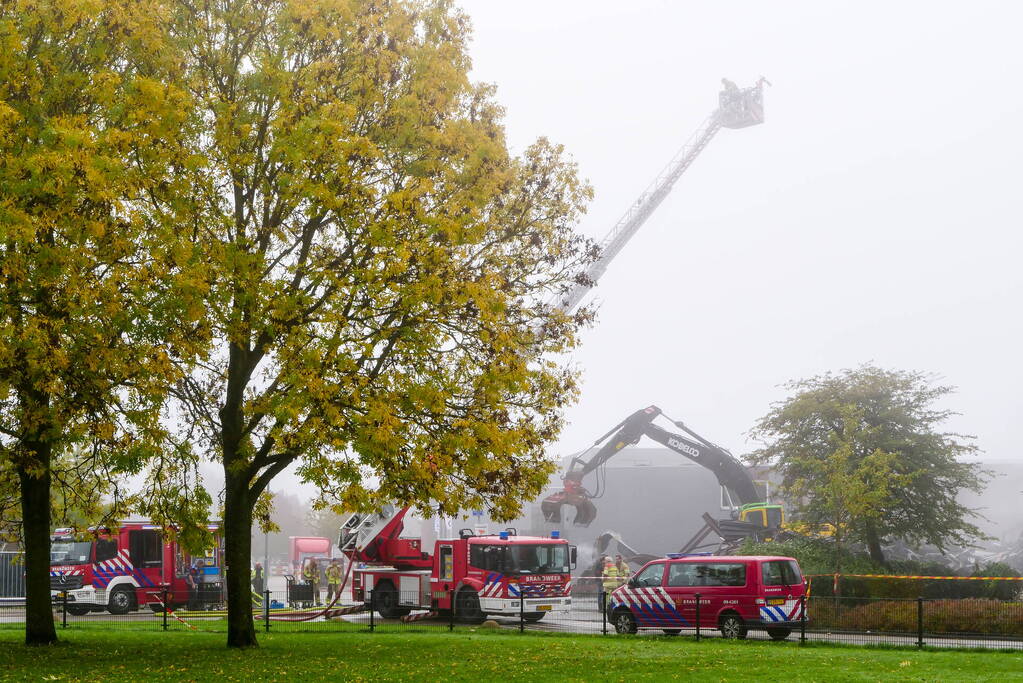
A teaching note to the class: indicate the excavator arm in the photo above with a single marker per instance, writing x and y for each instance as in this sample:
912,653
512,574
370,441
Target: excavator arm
626,432
729,472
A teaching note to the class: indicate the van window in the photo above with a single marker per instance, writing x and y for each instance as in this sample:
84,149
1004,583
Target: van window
145,548
781,573
651,576
707,574
106,549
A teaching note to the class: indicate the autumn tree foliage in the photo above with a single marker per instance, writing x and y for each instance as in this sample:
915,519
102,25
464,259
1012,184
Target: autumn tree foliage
384,266
863,450
88,300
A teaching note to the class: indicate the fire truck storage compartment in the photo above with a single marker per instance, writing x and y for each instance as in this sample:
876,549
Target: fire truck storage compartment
414,589
413,586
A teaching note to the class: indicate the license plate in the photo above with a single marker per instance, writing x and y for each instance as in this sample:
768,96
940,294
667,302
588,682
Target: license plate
776,601
543,608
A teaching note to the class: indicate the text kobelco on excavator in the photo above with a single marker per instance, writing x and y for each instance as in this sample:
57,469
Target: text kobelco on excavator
683,447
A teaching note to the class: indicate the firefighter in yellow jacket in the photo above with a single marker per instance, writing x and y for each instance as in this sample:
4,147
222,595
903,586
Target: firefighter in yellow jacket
610,577
333,573
311,573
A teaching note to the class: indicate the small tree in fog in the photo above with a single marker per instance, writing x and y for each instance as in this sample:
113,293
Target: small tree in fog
862,450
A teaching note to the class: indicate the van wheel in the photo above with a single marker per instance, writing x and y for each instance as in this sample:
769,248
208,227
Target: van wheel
625,622
122,600
671,631
779,633
732,626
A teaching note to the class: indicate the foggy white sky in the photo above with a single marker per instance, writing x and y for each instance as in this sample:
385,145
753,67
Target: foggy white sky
874,217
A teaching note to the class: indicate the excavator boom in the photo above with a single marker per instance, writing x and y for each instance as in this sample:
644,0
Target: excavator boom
729,472
628,431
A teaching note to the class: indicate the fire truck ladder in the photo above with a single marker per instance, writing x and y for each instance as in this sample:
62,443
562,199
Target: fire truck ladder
360,529
737,108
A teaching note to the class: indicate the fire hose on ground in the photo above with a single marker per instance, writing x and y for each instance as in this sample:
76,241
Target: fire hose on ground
328,611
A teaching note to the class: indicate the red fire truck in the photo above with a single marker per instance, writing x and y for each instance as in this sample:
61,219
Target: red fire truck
123,569
497,574
302,548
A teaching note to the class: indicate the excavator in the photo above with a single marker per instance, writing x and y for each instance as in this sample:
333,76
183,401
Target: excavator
754,519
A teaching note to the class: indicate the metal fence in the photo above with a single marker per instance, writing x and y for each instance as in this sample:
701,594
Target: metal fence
12,575
902,622
969,622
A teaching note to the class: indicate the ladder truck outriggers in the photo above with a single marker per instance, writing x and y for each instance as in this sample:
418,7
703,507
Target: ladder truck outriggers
476,576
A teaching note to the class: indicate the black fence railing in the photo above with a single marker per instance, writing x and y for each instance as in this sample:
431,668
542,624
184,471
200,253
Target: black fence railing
12,575
905,622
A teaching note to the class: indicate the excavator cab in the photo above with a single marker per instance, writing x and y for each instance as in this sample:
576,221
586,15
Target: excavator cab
763,514
573,495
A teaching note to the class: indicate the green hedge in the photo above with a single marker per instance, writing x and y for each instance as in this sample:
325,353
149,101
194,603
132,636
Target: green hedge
975,616
819,556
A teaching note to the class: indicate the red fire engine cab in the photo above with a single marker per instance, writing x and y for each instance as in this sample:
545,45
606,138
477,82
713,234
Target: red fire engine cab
476,576
123,569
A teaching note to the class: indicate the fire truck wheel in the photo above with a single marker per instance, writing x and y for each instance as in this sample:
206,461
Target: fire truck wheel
467,602
533,616
779,633
386,599
732,626
624,622
122,599
78,611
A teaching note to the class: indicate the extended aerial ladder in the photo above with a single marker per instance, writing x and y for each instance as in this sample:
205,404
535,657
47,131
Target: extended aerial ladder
375,537
737,108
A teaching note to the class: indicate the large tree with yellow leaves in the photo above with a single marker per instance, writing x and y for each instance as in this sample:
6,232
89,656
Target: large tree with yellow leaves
91,306
384,265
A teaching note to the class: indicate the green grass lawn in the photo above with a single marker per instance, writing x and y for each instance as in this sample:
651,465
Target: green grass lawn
92,655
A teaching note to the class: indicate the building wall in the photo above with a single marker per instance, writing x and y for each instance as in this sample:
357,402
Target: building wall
654,499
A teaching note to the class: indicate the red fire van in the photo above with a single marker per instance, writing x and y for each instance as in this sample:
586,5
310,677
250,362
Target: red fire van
736,593
121,569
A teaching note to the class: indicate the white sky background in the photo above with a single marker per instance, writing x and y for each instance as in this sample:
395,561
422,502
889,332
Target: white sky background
874,217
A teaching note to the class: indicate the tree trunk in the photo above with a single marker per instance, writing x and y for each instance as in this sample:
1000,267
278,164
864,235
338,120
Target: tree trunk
35,515
874,547
237,554
839,549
